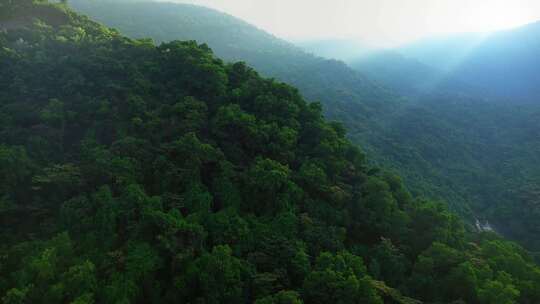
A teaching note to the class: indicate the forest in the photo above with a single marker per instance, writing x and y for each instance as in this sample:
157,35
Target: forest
135,172
449,139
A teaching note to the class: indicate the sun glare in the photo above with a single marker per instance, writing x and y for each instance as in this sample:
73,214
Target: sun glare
494,15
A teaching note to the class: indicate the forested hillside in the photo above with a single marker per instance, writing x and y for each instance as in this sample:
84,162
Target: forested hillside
448,138
473,152
136,173
347,94
459,141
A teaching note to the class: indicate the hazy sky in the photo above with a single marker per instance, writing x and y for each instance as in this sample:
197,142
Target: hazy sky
377,22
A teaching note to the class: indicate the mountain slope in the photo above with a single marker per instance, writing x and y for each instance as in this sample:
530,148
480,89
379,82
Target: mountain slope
135,173
328,81
455,142
346,95
414,137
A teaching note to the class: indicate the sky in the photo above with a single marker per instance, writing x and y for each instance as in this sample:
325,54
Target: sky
377,23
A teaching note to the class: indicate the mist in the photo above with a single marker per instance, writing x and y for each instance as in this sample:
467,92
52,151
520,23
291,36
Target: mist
380,23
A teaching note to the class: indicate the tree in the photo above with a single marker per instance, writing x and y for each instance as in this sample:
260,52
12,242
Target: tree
268,187
218,277
496,292
339,279
282,297
389,264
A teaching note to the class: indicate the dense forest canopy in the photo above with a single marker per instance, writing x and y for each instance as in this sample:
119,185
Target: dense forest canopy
449,139
341,89
470,140
347,95
136,173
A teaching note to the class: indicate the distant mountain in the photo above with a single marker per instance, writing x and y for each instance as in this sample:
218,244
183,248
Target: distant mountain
442,52
230,37
339,49
409,76
505,63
